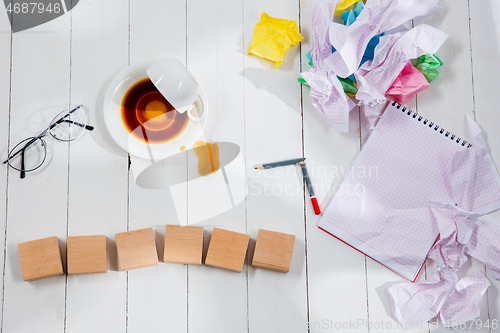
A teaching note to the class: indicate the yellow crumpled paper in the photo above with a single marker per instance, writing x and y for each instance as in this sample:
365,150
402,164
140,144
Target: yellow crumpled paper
343,6
273,37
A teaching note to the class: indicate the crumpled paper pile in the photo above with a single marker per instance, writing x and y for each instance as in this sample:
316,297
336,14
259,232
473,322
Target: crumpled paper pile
370,54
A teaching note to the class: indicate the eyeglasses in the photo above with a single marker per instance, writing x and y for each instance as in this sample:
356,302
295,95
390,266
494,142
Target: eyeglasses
29,154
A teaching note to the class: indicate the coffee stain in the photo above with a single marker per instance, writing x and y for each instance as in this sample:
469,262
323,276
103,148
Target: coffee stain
208,157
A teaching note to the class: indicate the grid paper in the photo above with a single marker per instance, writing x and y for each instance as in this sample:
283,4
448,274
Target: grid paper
483,244
389,217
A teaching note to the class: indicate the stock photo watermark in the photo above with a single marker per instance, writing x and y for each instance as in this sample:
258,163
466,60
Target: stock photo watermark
26,14
327,180
358,324
364,324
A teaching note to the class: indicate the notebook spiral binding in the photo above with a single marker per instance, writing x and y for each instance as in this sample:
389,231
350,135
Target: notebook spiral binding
446,133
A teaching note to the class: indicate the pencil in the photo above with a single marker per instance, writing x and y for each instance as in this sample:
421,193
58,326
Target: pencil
278,164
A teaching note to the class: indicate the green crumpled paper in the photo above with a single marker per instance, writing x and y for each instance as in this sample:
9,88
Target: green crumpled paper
428,64
348,85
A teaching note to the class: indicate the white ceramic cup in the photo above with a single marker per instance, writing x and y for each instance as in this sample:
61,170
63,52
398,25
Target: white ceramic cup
176,84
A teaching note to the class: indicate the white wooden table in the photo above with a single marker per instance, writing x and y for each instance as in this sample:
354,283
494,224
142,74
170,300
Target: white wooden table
87,188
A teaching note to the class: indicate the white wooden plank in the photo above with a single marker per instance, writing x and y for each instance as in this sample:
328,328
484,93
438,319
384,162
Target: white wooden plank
336,272
98,177
214,56
5,49
157,297
276,197
485,44
38,204
450,98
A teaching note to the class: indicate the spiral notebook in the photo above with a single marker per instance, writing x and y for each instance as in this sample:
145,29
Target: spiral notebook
382,208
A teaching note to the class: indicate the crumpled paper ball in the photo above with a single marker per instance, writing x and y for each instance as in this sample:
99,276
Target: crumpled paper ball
409,82
273,37
428,64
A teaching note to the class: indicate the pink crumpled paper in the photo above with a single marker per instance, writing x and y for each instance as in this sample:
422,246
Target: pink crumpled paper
408,83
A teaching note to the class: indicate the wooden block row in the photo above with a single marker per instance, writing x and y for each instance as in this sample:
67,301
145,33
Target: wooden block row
87,254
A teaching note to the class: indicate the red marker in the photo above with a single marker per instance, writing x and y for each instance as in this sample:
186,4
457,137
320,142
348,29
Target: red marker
314,201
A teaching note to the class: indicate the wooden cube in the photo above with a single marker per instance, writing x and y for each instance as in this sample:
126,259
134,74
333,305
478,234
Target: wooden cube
183,244
227,249
87,254
136,248
40,258
273,250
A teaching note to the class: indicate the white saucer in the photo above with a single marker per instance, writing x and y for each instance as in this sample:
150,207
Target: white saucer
113,119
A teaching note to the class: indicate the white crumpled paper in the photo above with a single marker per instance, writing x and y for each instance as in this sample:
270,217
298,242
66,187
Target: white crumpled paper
329,99
455,300
327,94
377,16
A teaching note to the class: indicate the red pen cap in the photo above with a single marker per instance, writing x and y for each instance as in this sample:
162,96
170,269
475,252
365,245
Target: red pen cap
315,204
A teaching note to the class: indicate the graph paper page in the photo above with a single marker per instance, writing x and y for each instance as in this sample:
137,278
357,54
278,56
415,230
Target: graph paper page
382,208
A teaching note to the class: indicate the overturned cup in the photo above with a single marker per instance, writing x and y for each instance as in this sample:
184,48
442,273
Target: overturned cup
176,84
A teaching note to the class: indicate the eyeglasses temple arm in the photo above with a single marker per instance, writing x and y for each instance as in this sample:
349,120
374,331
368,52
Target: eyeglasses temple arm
23,173
66,115
22,150
87,127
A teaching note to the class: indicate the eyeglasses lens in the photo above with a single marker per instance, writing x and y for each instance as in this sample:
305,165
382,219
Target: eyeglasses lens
68,125
28,155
